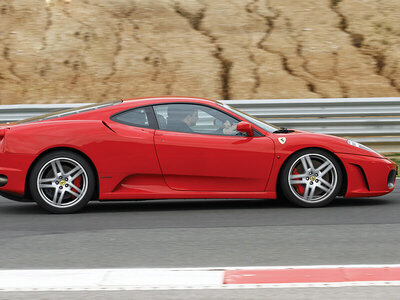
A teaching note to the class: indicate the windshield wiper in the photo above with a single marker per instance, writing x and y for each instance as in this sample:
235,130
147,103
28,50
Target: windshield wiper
283,130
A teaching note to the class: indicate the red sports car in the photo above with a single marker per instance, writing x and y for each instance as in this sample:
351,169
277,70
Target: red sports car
176,147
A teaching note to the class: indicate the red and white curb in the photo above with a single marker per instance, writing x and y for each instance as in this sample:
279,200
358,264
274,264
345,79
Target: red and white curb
199,278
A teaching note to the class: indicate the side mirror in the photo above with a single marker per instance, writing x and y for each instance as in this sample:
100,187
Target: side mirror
245,127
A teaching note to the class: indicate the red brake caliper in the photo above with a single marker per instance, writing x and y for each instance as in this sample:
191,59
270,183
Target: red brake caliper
77,182
299,188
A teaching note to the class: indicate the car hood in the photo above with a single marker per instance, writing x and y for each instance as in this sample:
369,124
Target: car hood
299,139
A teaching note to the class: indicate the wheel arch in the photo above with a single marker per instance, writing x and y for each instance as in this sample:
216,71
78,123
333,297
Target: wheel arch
28,174
343,169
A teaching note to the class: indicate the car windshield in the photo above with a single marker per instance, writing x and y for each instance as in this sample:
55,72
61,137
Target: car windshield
258,122
68,112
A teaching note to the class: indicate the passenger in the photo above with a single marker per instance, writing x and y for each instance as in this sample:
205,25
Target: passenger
181,118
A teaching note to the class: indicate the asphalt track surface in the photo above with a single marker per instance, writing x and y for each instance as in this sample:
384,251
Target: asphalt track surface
204,233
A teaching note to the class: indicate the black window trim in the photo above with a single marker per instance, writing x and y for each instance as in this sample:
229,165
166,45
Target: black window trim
153,123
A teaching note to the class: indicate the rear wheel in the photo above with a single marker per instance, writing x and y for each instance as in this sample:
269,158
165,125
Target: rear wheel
62,182
311,178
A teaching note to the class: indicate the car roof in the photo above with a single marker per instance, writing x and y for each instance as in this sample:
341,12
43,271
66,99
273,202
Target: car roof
166,99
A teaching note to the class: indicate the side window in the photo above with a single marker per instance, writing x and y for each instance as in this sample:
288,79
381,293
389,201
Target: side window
135,117
192,118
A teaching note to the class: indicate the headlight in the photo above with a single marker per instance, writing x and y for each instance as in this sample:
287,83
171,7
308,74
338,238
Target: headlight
358,145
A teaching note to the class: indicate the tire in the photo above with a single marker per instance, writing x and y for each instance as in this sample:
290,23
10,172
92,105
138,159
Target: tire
311,178
62,182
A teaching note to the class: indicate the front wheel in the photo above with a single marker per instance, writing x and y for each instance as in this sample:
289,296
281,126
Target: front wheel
62,182
311,178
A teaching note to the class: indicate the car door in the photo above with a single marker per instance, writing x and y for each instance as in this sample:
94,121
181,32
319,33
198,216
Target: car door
199,149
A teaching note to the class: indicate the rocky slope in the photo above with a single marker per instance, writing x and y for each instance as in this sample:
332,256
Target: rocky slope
86,50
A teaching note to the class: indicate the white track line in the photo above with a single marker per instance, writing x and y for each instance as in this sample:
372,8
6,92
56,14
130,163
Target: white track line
107,279
157,279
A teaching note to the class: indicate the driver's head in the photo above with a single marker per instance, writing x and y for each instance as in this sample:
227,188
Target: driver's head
185,113
192,117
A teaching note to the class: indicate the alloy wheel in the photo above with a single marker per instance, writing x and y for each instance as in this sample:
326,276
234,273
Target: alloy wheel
312,178
62,182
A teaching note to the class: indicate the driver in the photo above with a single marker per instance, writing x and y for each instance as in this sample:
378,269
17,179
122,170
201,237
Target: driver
226,128
181,118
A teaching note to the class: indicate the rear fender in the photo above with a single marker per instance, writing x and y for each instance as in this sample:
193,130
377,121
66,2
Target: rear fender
35,138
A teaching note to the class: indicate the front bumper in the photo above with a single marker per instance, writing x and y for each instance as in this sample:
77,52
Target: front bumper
368,176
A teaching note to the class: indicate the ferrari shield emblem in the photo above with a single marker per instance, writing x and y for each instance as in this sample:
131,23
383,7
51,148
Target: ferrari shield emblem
282,140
